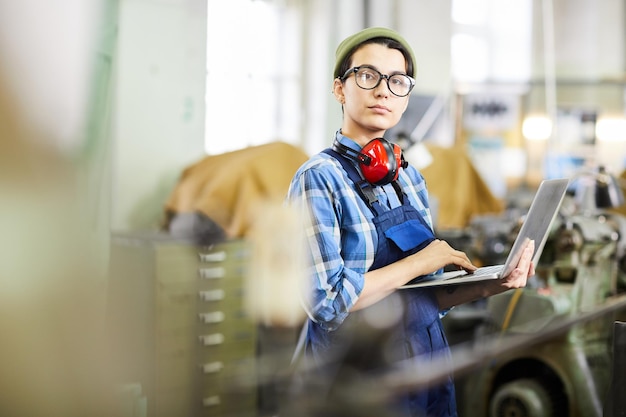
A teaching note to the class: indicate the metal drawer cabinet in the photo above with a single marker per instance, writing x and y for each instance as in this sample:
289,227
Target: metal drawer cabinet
177,325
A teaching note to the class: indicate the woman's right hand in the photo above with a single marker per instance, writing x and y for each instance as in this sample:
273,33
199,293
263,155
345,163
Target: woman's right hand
439,254
381,282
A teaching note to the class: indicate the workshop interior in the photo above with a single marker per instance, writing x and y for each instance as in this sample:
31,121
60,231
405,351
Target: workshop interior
150,267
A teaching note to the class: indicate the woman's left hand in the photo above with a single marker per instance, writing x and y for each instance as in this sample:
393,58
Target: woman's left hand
519,276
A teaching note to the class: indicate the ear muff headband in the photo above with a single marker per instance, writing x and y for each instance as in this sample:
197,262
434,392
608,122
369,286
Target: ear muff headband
351,153
379,160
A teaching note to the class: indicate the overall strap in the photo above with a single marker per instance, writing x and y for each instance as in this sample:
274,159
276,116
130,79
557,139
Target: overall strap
363,188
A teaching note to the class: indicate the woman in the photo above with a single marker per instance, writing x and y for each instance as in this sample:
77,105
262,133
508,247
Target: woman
371,232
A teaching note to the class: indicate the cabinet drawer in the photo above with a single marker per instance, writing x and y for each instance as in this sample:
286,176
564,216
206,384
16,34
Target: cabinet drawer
235,251
218,369
228,405
220,299
219,276
211,347
213,321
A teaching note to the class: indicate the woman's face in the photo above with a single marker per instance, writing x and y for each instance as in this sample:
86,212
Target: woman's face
367,114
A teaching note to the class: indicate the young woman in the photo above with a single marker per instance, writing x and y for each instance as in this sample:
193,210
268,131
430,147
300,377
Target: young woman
371,232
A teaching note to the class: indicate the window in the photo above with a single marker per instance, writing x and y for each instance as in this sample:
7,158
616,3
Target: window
491,40
252,82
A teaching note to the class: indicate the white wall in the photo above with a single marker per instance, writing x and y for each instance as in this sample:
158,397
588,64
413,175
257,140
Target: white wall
160,75
426,25
158,122
588,37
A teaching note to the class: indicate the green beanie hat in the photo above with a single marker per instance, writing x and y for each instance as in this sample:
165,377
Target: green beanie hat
351,42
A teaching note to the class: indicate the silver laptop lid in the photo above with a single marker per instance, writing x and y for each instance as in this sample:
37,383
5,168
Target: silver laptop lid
541,214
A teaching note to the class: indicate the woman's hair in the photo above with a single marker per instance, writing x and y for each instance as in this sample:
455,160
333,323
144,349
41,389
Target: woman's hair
389,43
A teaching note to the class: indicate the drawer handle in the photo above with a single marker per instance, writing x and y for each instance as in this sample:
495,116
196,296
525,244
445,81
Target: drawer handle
212,273
211,401
212,367
212,317
212,339
213,295
213,257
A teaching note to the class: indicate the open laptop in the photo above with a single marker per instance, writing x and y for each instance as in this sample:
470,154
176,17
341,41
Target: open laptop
536,226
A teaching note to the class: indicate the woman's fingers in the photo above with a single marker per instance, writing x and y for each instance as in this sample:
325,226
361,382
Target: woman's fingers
527,258
524,268
442,254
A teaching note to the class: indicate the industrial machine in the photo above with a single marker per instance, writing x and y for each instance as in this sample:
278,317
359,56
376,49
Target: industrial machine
583,265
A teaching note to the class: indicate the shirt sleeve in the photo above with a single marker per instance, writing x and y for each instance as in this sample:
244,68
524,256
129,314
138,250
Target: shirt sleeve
335,288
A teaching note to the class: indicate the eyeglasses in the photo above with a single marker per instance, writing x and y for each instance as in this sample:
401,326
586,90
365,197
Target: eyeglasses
369,78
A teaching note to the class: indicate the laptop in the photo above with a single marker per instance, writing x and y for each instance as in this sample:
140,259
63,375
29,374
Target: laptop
536,226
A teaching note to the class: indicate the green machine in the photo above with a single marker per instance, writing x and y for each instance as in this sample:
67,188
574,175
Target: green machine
582,268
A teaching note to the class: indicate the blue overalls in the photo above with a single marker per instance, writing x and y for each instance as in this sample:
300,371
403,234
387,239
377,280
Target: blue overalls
401,232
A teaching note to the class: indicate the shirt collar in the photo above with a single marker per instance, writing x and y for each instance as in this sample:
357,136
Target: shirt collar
346,141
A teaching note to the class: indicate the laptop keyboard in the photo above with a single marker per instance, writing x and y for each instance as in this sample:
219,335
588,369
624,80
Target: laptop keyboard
488,269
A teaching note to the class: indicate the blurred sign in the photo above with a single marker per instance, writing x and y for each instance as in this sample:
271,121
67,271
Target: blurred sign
490,112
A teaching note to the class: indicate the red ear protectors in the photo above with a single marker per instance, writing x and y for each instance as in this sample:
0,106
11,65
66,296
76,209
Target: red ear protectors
379,160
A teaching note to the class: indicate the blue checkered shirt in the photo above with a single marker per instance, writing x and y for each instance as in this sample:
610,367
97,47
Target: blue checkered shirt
341,238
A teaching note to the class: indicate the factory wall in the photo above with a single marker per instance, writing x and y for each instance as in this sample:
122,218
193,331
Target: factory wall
158,119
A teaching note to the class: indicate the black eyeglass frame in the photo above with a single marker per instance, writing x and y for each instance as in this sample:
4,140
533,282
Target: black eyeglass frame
382,76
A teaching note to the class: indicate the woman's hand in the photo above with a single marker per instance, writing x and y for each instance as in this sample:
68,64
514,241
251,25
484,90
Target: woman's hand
519,276
453,295
381,282
439,254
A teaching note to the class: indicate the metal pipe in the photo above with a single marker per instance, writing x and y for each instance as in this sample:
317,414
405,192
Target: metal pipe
616,401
